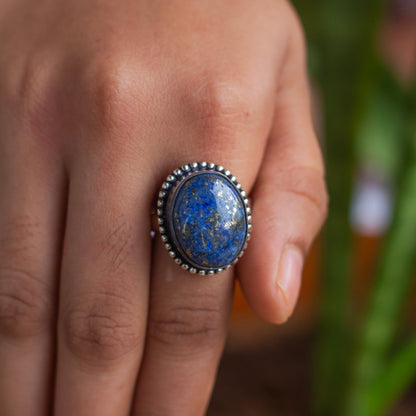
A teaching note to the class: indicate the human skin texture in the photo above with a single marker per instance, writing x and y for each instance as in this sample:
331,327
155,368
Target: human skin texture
99,101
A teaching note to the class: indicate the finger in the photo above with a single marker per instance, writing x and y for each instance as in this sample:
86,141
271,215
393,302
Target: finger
186,333
31,207
289,198
187,326
104,289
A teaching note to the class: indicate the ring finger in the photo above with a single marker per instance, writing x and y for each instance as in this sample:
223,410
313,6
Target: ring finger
104,289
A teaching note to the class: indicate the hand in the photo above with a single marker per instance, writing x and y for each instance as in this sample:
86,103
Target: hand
99,101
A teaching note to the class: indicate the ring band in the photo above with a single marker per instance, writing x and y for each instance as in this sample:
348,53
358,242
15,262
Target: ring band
204,218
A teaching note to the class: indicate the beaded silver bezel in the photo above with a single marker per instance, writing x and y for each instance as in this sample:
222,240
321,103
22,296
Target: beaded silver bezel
167,190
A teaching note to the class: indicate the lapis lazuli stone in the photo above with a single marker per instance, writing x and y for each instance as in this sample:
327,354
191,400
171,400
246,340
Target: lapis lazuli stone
208,220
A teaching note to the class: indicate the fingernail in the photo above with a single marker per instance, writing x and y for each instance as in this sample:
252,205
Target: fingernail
289,277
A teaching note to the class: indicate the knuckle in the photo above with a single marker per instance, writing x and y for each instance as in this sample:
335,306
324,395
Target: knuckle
25,297
36,97
19,238
306,184
309,184
102,329
222,109
112,90
188,329
25,309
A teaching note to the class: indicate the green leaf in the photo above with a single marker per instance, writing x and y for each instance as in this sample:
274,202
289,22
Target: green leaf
392,383
392,280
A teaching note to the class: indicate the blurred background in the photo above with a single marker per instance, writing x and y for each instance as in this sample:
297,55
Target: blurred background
350,348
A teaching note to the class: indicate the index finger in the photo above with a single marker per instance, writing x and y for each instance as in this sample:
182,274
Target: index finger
289,197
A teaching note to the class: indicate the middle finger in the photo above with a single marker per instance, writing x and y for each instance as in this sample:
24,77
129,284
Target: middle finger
187,326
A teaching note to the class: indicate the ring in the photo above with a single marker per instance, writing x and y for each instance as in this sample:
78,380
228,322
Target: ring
204,218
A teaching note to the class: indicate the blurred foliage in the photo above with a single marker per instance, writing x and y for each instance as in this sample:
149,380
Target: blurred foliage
391,286
381,121
391,383
368,118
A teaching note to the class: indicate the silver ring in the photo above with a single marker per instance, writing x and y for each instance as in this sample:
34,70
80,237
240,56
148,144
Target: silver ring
204,218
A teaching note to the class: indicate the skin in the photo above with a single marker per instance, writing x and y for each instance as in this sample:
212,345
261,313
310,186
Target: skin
100,101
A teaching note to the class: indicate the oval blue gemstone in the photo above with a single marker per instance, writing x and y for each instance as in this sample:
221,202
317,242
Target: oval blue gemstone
208,220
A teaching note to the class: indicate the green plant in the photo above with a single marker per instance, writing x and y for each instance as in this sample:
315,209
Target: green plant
366,114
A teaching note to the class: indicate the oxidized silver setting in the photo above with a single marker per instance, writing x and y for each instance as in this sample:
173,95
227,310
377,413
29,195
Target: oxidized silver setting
168,188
